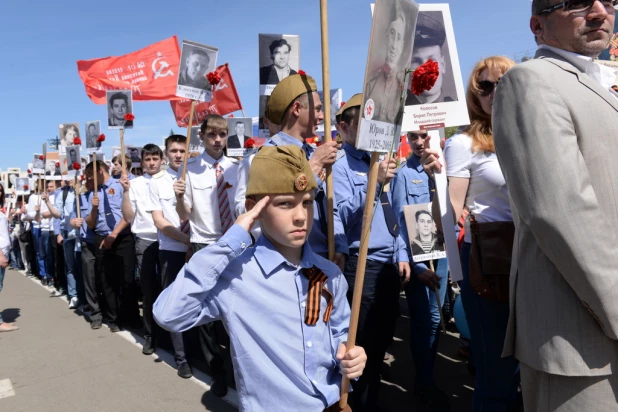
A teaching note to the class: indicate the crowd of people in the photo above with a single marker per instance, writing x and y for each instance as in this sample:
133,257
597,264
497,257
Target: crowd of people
244,242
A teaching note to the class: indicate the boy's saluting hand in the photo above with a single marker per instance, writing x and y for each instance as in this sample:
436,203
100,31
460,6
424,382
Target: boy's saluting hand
352,362
252,215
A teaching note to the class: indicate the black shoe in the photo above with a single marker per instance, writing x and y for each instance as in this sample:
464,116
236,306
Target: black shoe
184,371
432,399
219,386
96,324
148,348
44,281
114,328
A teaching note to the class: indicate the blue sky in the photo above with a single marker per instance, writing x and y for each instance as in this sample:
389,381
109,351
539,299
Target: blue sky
41,42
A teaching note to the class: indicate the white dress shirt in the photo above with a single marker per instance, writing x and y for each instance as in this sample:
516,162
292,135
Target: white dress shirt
33,201
201,196
5,241
162,197
139,193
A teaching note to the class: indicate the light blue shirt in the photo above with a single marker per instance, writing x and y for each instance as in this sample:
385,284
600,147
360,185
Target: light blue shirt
110,207
280,363
66,209
85,233
350,176
410,186
317,238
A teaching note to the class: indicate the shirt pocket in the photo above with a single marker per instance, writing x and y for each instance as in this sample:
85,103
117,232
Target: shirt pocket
167,193
359,180
417,192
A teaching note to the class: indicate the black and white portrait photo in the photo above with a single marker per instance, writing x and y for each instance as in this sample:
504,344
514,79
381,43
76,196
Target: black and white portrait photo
430,44
196,61
67,133
425,243
196,144
239,130
12,180
73,155
52,168
264,125
22,186
135,153
279,57
38,164
93,131
119,103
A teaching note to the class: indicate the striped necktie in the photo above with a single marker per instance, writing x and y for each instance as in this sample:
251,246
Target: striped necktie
317,285
224,203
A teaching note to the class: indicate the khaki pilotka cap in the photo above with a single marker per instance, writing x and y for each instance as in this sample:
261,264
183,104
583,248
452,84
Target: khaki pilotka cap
285,93
278,170
354,101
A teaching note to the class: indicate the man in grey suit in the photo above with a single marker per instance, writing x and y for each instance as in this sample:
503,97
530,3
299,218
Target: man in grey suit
555,129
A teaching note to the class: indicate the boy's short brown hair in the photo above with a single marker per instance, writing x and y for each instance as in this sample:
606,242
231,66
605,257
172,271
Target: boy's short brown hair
213,122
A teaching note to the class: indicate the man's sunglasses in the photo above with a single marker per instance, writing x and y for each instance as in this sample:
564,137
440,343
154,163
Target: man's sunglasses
486,87
579,6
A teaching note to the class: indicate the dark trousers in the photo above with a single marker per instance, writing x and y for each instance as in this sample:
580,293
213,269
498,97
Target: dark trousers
16,252
209,338
376,325
171,263
91,274
31,254
147,256
60,275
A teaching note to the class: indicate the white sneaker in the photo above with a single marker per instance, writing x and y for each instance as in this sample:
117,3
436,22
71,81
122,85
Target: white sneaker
73,303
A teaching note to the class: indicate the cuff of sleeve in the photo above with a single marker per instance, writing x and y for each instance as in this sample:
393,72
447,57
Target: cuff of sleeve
419,268
319,181
237,238
402,255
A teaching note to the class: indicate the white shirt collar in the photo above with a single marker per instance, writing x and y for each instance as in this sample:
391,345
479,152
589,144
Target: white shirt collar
210,161
282,73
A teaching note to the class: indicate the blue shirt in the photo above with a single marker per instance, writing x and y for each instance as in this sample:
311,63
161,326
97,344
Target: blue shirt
280,363
410,186
318,238
85,233
350,176
110,207
66,209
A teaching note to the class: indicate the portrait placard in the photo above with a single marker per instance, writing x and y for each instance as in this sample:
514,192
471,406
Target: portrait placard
445,104
423,234
52,166
196,61
93,131
336,98
239,130
67,132
135,153
386,79
38,164
263,122
73,156
119,103
22,186
12,179
279,57
196,144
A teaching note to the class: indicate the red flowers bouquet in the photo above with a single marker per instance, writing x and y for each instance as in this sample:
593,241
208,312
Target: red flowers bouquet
77,141
128,117
424,77
249,144
213,78
77,166
101,138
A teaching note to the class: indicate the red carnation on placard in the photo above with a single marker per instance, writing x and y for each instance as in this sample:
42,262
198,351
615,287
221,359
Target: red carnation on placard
342,104
249,144
29,171
424,77
101,138
302,73
231,115
25,187
77,166
41,157
128,117
57,164
77,141
213,78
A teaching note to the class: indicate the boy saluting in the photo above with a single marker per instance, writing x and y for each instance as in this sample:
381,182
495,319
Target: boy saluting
283,305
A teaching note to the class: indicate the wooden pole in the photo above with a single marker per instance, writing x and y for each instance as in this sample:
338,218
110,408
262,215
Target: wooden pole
184,164
243,113
95,171
122,158
372,182
435,290
76,187
327,135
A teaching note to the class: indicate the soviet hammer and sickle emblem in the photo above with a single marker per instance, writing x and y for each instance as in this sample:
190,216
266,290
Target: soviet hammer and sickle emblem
162,66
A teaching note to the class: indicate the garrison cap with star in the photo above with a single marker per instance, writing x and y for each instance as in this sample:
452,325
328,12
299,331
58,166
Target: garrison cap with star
429,30
286,91
278,170
354,101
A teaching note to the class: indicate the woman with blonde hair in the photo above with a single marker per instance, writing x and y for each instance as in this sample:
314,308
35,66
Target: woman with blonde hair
476,183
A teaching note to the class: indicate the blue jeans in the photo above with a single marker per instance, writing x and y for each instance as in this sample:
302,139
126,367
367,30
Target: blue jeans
425,324
2,270
70,266
40,261
497,378
46,254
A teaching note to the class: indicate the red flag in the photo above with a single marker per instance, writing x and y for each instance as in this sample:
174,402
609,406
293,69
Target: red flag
224,100
150,72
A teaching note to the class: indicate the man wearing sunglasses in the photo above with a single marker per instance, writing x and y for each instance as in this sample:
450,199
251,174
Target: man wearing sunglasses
555,129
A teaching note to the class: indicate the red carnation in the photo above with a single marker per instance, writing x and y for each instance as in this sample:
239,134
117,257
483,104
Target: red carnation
213,78
57,164
77,141
29,171
231,115
249,144
342,104
41,157
25,187
77,166
128,117
302,73
425,77
101,138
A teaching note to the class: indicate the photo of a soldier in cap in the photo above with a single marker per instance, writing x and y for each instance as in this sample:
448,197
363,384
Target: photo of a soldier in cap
430,44
386,82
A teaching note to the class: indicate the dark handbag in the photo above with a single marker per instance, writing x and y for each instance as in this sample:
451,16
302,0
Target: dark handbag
490,258
24,235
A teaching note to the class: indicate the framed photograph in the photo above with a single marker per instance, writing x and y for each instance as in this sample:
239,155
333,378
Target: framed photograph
196,144
423,234
119,103
38,164
263,122
135,153
73,155
279,57
67,133
22,186
445,104
196,61
336,98
52,165
239,130
85,162
93,131
386,79
12,180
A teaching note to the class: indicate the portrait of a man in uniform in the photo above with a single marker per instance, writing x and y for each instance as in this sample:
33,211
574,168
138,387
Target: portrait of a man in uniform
426,240
119,103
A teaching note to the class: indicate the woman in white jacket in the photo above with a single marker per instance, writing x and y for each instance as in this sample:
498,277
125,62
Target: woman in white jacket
5,248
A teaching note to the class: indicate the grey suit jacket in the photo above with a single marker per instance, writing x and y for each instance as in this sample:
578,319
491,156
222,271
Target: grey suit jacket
556,137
